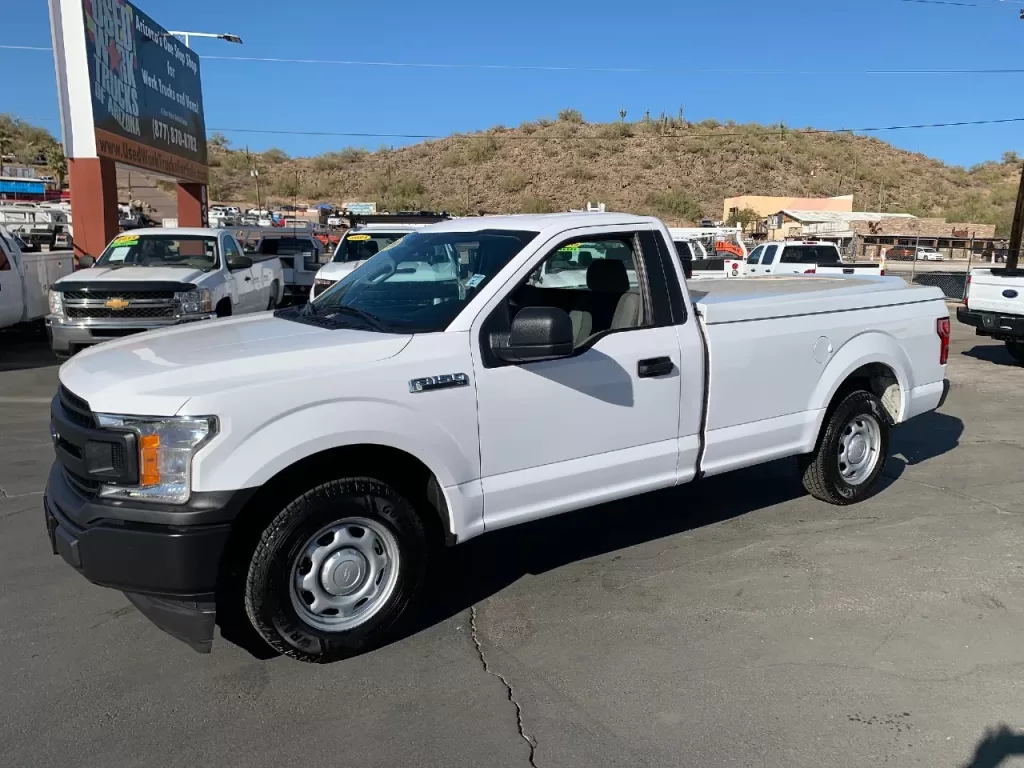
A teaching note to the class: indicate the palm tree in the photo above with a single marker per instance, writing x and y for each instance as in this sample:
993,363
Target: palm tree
57,164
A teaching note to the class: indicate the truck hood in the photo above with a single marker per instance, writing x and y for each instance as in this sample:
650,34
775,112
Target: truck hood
156,373
337,270
108,275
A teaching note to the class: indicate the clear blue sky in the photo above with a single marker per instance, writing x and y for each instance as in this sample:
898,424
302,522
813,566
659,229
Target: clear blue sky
806,35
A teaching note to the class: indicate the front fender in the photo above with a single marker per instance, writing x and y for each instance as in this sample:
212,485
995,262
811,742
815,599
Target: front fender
246,454
863,349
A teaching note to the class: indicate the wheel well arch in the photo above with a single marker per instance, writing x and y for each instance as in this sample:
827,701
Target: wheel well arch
223,308
879,379
400,469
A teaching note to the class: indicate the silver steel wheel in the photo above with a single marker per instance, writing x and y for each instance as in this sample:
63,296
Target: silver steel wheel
860,449
344,574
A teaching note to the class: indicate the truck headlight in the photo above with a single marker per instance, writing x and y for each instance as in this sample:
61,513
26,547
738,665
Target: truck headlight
166,448
194,302
56,302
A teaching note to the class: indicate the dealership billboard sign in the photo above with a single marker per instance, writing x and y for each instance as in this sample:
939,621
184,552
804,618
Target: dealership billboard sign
129,90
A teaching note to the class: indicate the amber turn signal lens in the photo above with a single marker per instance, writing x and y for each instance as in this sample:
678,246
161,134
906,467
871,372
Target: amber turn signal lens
149,460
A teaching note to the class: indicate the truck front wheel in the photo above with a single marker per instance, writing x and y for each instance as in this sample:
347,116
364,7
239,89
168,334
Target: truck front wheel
335,570
851,451
1016,350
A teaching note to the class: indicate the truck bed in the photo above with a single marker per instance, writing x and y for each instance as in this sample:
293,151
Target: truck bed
733,301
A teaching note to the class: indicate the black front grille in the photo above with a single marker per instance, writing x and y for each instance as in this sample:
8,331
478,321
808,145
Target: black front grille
104,295
83,486
130,313
77,409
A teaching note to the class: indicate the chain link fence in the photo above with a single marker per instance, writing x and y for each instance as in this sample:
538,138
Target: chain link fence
944,268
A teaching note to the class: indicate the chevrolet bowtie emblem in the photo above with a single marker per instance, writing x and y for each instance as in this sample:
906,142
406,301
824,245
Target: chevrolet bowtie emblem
117,304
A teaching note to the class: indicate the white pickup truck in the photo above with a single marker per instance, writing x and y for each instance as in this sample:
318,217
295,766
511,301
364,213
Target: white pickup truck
25,280
994,306
804,258
159,277
295,470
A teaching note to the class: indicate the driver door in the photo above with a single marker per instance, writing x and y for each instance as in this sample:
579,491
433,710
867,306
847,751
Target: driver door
601,424
243,288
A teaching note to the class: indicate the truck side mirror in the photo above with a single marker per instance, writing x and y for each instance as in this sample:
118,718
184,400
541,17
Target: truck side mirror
538,333
84,262
239,262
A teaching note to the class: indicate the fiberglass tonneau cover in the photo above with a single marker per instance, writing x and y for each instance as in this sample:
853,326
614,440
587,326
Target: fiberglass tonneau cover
758,298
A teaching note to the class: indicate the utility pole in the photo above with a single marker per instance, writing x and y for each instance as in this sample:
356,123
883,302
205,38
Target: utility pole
255,173
1018,225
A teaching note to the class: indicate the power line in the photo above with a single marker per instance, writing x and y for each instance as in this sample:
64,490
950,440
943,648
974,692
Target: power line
987,6
532,137
605,70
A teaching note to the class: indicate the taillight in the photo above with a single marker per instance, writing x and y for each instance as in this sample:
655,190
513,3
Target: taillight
811,271
967,290
735,266
942,328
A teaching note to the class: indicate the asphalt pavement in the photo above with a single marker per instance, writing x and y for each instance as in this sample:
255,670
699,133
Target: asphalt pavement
733,622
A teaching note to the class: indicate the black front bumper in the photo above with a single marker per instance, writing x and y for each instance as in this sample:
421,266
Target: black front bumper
1002,327
165,559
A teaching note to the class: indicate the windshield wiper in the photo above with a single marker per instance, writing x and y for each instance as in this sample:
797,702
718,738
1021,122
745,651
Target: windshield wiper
372,320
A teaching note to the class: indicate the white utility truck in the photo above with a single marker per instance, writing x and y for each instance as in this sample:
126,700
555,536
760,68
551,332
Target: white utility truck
154,278
994,306
293,470
368,236
25,280
812,257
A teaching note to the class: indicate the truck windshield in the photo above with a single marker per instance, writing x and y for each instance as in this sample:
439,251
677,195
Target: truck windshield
419,285
360,246
192,251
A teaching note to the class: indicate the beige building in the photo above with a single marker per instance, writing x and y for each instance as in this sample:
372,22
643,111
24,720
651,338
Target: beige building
766,206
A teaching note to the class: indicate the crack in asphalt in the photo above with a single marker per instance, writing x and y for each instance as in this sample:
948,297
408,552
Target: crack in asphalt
954,493
475,635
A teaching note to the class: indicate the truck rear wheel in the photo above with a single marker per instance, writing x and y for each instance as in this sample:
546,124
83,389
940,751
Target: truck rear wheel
335,570
1016,350
851,451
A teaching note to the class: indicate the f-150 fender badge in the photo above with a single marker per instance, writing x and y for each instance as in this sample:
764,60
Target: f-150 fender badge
444,381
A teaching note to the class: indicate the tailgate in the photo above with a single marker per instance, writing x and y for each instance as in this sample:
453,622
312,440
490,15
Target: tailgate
991,293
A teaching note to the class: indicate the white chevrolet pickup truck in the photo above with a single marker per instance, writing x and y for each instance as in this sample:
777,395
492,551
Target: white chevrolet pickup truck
155,278
295,470
994,306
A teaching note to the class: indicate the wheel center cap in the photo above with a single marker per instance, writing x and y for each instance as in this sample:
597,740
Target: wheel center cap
858,450
343,572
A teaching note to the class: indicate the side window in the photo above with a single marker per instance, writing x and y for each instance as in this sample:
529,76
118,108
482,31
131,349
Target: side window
769,255
5,263
230,250
755,257
595,281
683,248
825,255
790,255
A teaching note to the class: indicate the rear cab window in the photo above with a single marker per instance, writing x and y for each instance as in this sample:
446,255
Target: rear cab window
361,245
810,254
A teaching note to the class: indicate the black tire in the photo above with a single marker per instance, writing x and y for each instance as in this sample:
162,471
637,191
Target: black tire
821,469
1016,350
272,304
268,601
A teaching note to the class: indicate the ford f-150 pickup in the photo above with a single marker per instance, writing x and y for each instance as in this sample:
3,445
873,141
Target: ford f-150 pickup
294,470
994,306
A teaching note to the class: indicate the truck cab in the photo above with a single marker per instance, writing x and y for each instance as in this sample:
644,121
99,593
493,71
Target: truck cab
155,278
